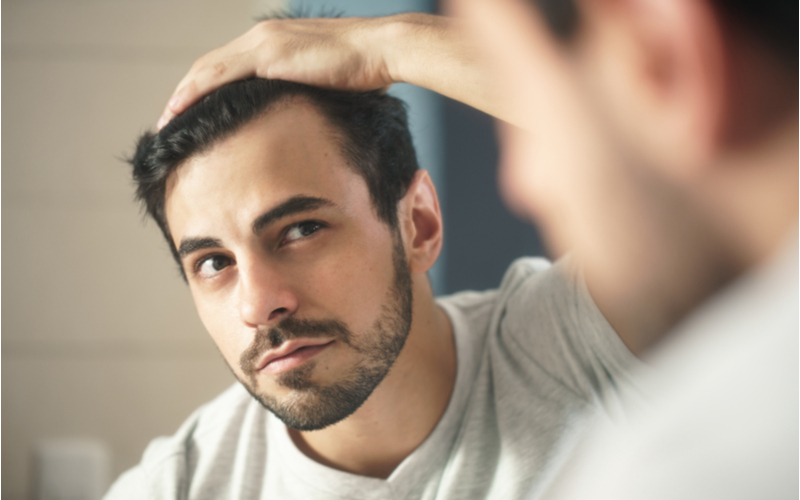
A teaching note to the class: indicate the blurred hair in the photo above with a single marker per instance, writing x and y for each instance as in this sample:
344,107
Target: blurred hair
371,129
561,16
773,21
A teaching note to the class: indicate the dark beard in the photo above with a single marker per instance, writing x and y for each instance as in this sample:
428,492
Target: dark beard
313,406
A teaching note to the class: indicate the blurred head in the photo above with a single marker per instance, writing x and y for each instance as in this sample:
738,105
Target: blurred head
657,140
291,211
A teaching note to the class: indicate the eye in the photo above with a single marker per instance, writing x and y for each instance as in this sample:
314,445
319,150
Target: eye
211,265
301,230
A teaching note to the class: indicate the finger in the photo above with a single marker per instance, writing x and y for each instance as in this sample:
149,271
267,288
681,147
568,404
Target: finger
166,116
210,78
205,80
227,51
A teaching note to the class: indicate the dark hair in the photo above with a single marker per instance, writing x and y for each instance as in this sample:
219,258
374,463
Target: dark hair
561,16
372,131
773,21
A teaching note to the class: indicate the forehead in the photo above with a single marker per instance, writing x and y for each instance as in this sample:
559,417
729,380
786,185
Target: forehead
289,151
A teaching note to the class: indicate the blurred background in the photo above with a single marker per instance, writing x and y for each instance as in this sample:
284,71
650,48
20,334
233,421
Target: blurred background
102,350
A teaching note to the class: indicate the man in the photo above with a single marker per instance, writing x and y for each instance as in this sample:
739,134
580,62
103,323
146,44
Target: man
658,140
304,228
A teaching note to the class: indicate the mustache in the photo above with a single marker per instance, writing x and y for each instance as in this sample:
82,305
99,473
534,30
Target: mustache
288,329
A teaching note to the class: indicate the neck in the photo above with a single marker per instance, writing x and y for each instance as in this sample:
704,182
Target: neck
753,197
735,217
403,409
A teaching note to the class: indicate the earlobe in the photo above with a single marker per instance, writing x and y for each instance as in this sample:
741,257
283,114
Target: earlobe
423,223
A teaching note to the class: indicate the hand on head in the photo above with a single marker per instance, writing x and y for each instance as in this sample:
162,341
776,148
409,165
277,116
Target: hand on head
334,53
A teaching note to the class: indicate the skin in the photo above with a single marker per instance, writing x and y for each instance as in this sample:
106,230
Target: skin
350,53
281,271
659,145
633,153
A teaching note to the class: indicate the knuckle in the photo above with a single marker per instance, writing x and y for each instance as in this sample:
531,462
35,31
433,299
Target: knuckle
219,68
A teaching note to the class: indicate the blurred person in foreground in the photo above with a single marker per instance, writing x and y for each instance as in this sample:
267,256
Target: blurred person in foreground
304,228
657,140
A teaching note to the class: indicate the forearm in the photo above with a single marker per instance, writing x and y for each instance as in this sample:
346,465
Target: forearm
430,51
436,53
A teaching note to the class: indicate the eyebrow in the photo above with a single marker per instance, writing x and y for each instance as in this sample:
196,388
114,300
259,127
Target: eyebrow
189,245
293,205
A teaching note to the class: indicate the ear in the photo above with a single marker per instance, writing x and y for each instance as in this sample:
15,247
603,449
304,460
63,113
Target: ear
421,223
657,69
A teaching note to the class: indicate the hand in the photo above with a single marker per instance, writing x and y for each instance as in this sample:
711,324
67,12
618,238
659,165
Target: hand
430,51
337,53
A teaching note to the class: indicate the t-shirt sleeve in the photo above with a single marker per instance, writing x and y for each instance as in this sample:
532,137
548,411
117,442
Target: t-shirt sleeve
202,459
160,475
551,325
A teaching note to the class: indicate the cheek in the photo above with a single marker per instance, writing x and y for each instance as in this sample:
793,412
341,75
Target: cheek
223,324
351,285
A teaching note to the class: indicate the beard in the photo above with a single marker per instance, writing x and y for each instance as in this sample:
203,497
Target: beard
312,406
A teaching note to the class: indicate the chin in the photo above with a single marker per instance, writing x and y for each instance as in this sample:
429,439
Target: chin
310,405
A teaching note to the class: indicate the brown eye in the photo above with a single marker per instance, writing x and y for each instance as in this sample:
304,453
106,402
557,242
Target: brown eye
218,262
302,230
212,265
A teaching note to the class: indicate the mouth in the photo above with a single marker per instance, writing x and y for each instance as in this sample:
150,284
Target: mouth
291,354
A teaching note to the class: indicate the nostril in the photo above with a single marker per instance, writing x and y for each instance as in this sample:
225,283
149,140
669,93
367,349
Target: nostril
278,312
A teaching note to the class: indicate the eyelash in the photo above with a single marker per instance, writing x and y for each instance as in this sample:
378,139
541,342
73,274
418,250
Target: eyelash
319,225
200,262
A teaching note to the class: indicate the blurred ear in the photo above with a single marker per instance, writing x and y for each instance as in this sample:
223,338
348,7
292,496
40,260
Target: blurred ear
421,223
657,71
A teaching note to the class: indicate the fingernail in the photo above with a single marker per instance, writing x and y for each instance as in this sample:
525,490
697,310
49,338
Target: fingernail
175,101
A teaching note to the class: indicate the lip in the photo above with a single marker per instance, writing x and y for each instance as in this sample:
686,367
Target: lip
289,348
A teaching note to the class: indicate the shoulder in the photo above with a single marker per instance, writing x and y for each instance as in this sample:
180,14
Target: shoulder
474,306
534,279
537,294
208,425
523,269
203,447
538,290
546,323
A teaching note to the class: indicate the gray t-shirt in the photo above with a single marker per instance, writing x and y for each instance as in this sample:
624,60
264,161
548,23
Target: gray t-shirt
532,357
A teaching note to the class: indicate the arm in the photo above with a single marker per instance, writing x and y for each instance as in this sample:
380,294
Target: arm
351,54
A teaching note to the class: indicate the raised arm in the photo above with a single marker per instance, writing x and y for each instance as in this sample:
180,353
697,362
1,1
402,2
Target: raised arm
349,54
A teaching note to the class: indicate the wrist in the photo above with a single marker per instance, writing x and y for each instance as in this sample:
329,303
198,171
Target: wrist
398,37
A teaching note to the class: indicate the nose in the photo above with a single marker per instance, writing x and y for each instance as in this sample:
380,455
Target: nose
265,297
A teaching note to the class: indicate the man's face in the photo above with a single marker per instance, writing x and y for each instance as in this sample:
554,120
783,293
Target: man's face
306,293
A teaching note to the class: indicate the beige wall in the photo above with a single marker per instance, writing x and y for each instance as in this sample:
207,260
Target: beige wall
99,335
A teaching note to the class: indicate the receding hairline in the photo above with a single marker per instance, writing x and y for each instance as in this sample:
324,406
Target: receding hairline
282,103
